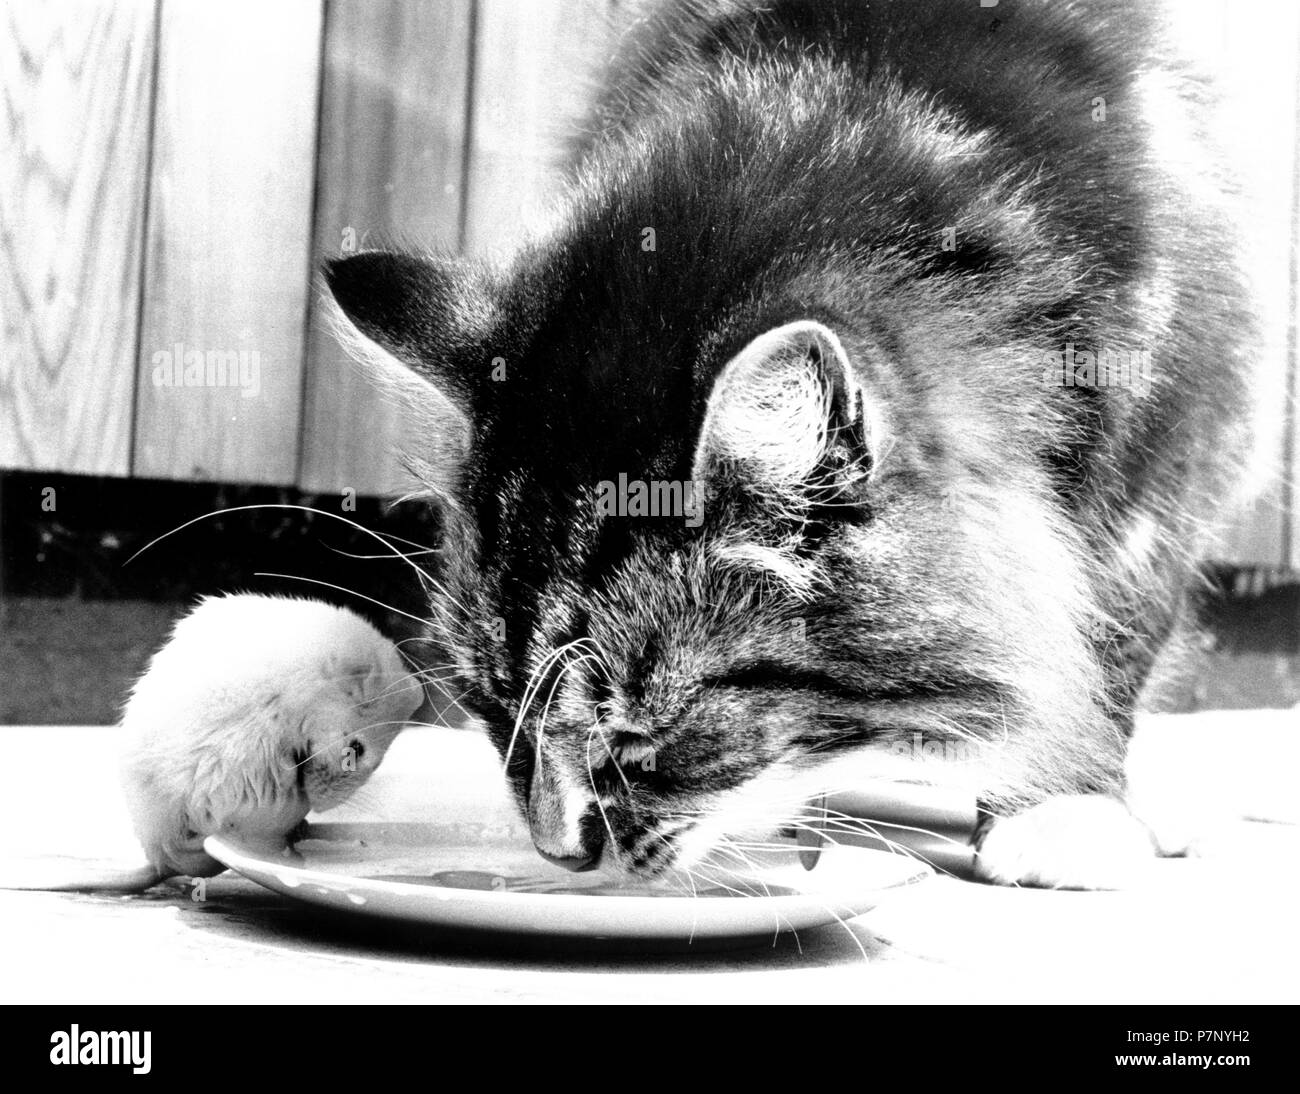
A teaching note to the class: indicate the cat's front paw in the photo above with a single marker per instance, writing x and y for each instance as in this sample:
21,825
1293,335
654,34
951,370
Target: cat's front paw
1076,842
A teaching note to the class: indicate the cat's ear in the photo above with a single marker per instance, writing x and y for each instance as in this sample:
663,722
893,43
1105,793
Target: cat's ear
787,416
424,313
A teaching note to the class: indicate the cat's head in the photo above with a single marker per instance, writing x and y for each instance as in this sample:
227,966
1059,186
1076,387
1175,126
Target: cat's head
708,554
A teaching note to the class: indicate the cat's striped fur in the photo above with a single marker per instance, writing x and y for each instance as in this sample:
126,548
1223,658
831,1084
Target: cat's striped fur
881,217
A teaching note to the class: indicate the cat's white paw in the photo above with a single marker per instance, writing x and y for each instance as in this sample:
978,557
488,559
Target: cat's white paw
1076,842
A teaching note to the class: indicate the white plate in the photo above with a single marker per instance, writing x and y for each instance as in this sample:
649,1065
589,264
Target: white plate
399,872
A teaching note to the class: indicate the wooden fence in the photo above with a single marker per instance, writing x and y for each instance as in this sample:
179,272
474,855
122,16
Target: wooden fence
171,172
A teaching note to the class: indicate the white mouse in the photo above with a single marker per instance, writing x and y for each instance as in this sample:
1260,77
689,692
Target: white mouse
258,710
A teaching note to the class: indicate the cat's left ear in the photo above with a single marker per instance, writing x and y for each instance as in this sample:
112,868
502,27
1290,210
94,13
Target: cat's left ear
787,416
422,312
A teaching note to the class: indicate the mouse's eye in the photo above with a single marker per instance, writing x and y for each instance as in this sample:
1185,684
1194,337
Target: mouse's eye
356,748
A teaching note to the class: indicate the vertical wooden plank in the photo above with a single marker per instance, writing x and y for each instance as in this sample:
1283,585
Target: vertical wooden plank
392,141
1291,425
1261,47
75,83
1251,47
228,241
1290,489
529,88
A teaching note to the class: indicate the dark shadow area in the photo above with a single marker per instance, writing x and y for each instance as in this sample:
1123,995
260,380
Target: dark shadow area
78,622
237,909
79,618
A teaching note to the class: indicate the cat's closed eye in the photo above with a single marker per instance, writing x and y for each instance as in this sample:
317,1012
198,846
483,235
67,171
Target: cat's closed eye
629,749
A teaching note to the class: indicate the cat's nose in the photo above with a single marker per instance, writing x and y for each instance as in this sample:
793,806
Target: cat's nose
576,863
563,819
578,850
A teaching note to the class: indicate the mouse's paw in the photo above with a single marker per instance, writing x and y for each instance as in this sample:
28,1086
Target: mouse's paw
285,852
269,847
1076,842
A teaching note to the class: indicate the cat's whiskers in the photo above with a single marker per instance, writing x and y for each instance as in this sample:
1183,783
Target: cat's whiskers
613,840
705,872
426,579
446,594
565,669
829,742
695,893
411,682
342,589
848,821
395,554
892,846
536,681
534,684
675,873
454,701
419,638
742,894
441,691
598,728
843,825
438,675
663,834
359,732
736,853
843,923
281,505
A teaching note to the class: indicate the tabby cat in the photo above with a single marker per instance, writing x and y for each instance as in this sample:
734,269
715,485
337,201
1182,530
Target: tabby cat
932,306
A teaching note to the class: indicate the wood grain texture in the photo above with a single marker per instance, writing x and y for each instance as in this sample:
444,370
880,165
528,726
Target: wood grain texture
1251,47
75,87
392,146
1291,443
532,63
228,238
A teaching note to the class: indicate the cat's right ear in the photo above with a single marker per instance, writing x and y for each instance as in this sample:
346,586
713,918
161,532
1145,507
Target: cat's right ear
421,312
788,418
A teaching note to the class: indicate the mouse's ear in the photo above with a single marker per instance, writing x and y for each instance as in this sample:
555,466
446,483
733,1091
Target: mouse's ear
427,314
358,678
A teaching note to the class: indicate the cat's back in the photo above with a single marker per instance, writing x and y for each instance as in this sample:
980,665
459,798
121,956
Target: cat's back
1001,63
1082,105
1055,156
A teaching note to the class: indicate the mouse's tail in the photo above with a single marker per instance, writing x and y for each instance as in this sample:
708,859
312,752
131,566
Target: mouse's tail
54,877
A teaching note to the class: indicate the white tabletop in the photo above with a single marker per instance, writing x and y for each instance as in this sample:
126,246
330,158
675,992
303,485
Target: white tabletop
1218,928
